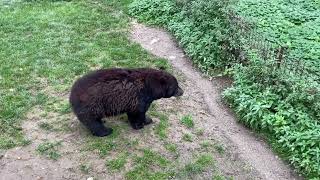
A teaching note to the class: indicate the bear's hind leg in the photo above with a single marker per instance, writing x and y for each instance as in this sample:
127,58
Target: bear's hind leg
98,129
95,125
136,119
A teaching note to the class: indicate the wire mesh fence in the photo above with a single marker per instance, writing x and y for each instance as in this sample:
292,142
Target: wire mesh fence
246,37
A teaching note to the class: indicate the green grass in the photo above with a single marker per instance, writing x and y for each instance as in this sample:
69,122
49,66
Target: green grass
199,165
206,145
220,177
199,131
187,137
46,45
46,126
49,150
150,165
219,148
117,163
162,126
171,147
104,145
85,168
187,121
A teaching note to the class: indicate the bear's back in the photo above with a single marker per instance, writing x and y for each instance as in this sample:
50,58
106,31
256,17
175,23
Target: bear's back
113,90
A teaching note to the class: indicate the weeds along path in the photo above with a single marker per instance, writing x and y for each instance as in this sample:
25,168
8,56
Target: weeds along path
249,148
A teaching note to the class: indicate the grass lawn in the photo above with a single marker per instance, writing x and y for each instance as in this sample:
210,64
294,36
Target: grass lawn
47,44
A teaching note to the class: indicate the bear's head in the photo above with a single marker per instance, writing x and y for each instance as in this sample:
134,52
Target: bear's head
163,85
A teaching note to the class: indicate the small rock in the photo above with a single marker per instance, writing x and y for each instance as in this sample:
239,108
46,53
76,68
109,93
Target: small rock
90,178
154,41
2,152
172,57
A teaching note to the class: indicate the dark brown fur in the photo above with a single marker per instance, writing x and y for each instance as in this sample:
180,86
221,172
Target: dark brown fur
110,92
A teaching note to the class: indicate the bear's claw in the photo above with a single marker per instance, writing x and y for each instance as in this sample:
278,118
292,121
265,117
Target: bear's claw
137,126
103,133
147,121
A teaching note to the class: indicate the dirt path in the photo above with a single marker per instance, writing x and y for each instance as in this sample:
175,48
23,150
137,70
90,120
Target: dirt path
249,148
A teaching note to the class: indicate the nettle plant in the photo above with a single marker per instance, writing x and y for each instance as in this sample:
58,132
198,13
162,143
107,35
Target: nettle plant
270,99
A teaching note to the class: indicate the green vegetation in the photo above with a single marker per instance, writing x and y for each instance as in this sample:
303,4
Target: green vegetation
272,50
202,163
219,148
104,145
187,121
150,165
220,177
45,45
118,163
85,168
283,99
187,137
192,24
45,126
49,149
161,128
206,145
171,147
199,131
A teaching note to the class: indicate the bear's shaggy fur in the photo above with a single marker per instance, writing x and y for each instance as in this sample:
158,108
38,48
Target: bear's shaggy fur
110,92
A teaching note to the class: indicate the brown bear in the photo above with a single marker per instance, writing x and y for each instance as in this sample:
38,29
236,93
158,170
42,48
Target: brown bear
110,92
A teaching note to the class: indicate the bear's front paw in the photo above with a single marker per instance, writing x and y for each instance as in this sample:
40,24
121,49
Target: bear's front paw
102,133
137,125
147,121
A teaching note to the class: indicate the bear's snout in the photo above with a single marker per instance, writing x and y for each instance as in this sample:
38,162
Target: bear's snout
179,92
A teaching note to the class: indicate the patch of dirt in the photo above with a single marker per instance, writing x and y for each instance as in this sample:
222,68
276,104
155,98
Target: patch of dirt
25,163
216,119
